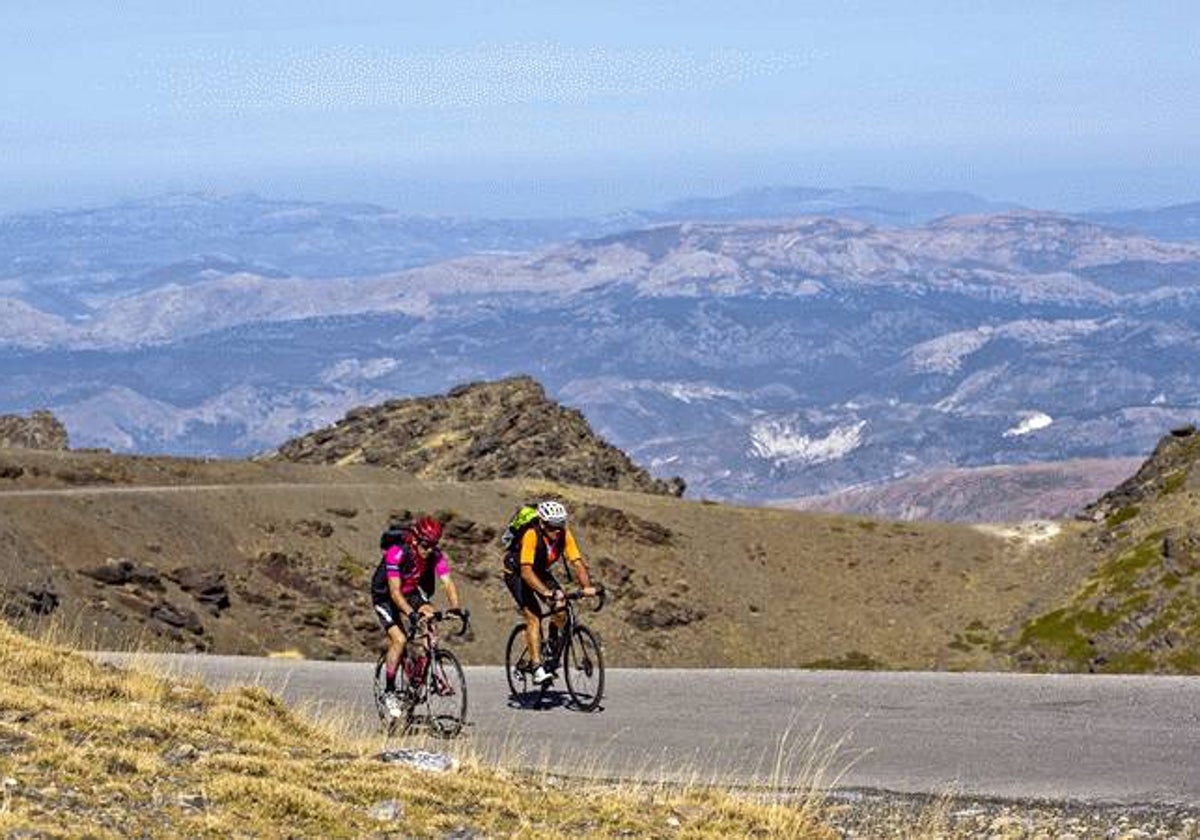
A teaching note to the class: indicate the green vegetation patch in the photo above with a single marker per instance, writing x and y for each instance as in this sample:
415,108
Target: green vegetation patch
1173,483
1119,576
855,660
1121,516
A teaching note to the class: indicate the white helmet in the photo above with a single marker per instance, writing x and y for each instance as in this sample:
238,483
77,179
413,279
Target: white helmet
552,513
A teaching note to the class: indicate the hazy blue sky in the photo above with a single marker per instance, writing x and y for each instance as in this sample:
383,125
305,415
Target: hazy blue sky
534,108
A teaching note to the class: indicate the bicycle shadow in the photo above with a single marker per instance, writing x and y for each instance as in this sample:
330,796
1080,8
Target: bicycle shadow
543,700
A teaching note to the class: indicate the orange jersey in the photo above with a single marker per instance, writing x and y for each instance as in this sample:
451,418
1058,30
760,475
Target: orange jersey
535,547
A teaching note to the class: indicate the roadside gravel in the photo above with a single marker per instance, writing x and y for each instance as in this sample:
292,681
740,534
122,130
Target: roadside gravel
856,814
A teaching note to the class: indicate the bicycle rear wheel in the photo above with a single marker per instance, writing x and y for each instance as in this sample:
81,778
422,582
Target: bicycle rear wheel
583,664
446,695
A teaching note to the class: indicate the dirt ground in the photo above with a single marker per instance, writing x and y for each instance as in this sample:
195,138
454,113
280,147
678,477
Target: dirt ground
247,557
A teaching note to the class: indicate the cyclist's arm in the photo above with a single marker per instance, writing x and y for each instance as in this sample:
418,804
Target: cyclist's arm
442,570
529,576
528,554
578,564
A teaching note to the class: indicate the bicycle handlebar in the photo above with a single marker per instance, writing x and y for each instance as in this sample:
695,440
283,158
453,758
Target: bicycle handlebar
463,616
601,595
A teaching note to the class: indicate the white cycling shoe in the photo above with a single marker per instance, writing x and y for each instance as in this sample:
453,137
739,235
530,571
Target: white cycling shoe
541,676
391,702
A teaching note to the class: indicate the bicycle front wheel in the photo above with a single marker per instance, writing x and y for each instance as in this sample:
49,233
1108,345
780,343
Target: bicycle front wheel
446,695
583,664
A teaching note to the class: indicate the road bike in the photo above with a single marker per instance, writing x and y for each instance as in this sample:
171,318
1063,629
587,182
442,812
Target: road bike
430,682
575,651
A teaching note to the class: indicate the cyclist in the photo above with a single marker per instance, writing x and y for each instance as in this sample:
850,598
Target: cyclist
401,589
528,577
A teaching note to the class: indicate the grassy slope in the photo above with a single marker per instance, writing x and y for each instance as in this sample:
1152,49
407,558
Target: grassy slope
1138,608
93,751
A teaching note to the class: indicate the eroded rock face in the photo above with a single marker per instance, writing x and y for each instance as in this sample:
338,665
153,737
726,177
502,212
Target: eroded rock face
40,430
1168,468
478,432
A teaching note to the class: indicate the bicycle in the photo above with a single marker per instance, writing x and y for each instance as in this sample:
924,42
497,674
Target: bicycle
428,677
577,648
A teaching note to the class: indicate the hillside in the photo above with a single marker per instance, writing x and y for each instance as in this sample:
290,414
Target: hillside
485,430
1138,608
1008,493
242,557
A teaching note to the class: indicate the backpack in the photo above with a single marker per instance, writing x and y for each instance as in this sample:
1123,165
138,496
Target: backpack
521,520
395,534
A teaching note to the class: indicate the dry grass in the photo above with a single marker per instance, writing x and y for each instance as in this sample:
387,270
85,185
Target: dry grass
93,750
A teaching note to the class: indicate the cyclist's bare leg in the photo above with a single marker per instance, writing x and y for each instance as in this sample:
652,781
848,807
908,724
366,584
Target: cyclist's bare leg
395,652
533,636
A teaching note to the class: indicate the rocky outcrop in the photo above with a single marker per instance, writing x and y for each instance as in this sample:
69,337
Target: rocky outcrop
40,430
1168,467
477,432
1136,610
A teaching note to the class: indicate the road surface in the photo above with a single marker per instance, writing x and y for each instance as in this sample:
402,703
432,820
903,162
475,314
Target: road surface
1112,739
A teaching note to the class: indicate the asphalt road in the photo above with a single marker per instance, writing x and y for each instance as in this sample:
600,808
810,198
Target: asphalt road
1129,740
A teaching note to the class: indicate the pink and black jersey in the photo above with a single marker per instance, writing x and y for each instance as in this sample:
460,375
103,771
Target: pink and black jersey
401,562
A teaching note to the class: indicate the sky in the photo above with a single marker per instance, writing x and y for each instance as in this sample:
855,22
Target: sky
541,109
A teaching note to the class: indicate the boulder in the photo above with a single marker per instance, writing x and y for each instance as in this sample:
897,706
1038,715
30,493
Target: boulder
41,430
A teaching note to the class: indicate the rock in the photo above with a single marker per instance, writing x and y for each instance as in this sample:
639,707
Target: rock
41,430
314,528
181,754
192,801
343,512
42,600
388,810
463,832
625,524
179,617
120,571
663,615
209,588
419,759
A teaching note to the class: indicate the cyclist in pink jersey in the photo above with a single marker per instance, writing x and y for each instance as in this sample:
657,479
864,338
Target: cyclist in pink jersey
401,590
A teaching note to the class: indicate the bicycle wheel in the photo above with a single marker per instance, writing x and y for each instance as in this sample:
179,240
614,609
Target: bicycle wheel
583,664
388,722
379,686
446,695
517,668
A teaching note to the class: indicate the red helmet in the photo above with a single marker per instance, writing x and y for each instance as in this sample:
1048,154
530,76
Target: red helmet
428,530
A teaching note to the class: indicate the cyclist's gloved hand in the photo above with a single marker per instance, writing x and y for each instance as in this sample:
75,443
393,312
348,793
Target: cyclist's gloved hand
558,596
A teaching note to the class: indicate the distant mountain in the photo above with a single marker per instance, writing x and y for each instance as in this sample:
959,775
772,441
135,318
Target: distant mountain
477,432
139,245
758,360
1057,490
1179,221
868,204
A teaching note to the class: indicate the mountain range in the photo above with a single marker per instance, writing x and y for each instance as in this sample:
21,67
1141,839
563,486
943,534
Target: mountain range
756,350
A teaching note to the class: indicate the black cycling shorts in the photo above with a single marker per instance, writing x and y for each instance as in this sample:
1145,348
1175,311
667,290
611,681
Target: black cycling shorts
525,596
389,614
